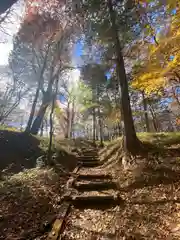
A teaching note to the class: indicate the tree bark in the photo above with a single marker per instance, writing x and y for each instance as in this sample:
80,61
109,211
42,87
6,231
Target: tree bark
154,119
39,119
28,127
131,142
145,112
67,130
100,128
51,130
72,119
47,98
119,129
99,115
94,125
39,85
42,129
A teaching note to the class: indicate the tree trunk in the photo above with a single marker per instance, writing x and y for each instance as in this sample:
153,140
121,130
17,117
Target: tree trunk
119,129
72,115
131,142
33,108
96,128
47,98
40,83
154,119
46,125
94,125
100,128
51,130
42,129
39,119
99,116
145,112
67,120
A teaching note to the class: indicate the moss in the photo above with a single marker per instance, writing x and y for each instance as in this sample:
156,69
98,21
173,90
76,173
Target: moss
160,139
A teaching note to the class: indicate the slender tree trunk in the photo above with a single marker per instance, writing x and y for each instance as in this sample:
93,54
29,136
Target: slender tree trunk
40,83
99,116
131,142
94,125
100,128
67,130
51,130
42,129
145,112
46,126
39,119
33,108
72,119
47,98
154,119
119,129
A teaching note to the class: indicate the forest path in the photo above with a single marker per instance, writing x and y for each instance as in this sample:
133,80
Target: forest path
92,192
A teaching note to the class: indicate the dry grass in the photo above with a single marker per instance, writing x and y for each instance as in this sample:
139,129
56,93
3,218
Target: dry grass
150,189
29,196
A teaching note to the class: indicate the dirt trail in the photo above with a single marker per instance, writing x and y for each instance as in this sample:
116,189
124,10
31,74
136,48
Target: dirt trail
94,200
105,208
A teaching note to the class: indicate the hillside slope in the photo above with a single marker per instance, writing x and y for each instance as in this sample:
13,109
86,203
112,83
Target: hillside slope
149,188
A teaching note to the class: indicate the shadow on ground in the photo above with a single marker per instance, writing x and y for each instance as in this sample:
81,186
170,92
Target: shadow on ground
28,203
18,150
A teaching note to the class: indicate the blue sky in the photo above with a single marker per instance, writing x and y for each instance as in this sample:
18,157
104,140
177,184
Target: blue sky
7,30
78,49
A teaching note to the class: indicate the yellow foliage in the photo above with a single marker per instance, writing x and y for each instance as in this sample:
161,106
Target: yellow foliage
114,116
149,82
162,59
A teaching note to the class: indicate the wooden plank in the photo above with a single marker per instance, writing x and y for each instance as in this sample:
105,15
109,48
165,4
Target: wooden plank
55,232
94,176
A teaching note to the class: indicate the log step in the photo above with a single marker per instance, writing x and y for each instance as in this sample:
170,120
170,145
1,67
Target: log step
87,154
95,186
95,202
94,176
88,160
88,157
89,164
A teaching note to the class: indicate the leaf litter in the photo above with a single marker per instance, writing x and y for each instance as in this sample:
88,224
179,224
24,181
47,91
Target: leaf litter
151,209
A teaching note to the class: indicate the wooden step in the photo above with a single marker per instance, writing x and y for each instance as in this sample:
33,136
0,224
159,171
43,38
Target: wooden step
87,157
88,160
90,164
96,202
95,186
94,176
90,154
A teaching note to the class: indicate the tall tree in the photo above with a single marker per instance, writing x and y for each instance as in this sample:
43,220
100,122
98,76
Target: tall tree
131,141
94,76
112,25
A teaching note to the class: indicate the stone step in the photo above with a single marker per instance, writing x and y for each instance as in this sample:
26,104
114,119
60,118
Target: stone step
94,176
95,186
96,202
